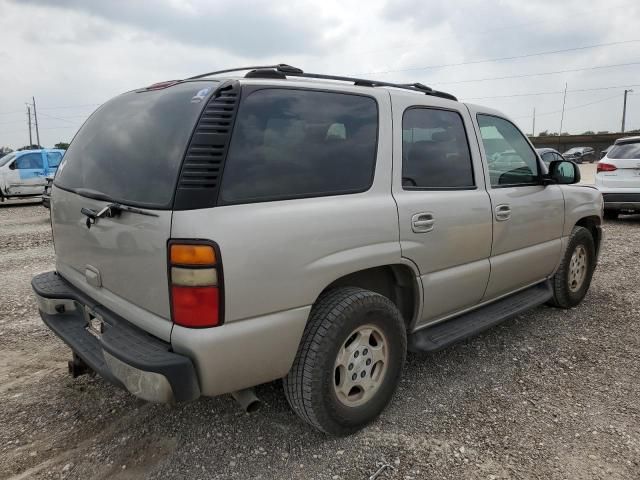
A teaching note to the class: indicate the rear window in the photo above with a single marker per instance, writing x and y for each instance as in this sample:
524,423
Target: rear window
132,147
300,143
625,151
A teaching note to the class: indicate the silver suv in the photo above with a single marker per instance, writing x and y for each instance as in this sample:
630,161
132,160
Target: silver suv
220,232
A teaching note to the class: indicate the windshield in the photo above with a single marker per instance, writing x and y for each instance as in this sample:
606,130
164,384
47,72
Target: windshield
131,149
625,151
573,150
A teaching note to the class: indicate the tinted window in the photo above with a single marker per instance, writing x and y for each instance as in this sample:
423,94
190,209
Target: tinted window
625,151
300,143
132,147
511,160
53,158
30,161
435,151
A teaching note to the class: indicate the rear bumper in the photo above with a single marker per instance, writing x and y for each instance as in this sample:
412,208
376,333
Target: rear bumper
622,201
122,354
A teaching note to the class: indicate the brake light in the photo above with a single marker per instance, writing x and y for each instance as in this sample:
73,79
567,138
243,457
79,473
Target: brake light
605,167
195,274
161,85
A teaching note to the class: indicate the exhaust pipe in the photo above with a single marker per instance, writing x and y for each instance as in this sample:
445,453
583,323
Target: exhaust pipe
247,400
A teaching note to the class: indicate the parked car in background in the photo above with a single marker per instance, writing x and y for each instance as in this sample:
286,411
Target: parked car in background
23,173
549,155
216,233
580,154
618,178
604,152
46,194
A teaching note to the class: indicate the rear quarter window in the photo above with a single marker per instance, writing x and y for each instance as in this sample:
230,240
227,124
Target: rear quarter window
291,143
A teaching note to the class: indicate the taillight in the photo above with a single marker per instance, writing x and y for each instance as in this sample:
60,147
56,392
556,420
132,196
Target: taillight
605,167
195,274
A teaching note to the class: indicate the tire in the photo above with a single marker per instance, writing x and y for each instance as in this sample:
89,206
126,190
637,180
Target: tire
567,292
611,214
310,386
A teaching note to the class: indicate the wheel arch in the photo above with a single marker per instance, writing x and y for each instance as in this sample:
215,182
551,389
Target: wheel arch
592,223
399,282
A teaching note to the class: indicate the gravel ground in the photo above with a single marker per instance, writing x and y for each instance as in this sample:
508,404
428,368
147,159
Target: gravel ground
551,394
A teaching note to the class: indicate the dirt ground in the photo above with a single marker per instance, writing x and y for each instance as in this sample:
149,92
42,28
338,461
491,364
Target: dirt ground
550,395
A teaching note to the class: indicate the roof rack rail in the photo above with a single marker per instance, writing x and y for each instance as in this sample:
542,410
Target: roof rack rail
281,67
270,71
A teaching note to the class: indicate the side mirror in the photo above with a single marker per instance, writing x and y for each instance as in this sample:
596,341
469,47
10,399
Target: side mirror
563,172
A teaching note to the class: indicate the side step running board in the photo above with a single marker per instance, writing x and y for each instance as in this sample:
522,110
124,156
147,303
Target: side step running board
443,334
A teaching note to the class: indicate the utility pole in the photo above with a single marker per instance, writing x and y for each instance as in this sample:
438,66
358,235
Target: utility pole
533,130
29,124
35,118
564,101
624,107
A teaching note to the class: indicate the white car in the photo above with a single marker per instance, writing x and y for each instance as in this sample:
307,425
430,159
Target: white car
618,178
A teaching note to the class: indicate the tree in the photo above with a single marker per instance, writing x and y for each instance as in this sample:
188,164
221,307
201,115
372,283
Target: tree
602,132
544,133
61,145
588,132
5,151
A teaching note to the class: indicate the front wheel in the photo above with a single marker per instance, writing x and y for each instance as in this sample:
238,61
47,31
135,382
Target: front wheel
573,278
349,361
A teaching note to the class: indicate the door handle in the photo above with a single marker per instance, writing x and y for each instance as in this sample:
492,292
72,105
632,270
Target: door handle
422,222
503,212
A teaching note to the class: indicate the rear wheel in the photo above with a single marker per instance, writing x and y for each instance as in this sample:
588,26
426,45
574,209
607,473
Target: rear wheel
349,361
611,214
573,278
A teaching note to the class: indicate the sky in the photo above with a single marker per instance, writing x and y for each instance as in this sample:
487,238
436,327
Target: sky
73,55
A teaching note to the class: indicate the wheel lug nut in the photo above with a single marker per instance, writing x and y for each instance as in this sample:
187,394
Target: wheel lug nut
368,361
365,351
355,355
351,366
362,374
354,376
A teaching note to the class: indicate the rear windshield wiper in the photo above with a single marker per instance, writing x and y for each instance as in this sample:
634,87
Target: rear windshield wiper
110,211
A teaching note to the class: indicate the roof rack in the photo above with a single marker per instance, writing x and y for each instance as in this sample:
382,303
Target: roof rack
283,70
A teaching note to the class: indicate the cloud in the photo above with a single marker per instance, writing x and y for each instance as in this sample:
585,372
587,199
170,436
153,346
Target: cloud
250,28
73,54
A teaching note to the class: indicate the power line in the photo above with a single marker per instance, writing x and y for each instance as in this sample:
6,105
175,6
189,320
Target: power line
55,108
59,118
498,59
71,106
556,92
457,35
570,108
535,74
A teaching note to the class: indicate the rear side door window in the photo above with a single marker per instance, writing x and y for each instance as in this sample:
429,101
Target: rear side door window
30,161
290,143
435,151
510,158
